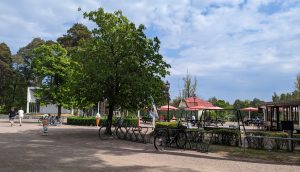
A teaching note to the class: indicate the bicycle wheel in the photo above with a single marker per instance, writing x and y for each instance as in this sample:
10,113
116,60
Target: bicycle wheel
181,139
101,133
160,141
120,133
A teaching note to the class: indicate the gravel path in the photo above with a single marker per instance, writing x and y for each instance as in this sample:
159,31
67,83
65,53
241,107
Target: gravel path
74,148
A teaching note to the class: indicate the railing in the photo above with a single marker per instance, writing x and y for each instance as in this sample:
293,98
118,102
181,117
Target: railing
198,140
130,133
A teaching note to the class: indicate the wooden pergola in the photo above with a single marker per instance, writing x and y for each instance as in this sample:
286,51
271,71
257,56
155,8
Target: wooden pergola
275,112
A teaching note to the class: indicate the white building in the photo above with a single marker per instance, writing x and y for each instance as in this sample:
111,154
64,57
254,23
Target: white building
34,108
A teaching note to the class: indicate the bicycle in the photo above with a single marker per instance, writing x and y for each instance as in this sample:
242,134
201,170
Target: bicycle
117,131
164,138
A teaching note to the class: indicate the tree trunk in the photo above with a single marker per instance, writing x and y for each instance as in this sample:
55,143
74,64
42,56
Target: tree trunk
59,110
109,118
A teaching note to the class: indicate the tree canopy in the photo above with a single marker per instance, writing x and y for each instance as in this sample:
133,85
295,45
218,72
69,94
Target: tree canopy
52,64
120,64
6,73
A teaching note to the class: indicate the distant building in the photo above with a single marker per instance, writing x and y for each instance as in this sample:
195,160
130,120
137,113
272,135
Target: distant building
194,101
33,107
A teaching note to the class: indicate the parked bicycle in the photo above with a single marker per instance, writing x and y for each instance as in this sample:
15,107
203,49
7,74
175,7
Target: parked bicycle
116,129
52,120
166,137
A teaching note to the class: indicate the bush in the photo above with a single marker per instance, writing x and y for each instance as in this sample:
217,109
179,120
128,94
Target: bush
91,121
228,137
170,125
267,134
266,141
82,121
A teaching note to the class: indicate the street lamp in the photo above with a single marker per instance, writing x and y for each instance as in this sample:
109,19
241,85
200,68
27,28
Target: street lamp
168,96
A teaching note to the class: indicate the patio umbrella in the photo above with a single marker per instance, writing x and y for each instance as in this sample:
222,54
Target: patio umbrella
249,110
164,108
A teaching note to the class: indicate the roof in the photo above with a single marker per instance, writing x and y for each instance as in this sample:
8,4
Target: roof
282,103
194,101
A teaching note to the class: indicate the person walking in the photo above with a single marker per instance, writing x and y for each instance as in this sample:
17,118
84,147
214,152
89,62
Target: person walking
21,115
12,115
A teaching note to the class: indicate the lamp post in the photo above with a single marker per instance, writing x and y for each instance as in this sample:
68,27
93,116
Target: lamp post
168,96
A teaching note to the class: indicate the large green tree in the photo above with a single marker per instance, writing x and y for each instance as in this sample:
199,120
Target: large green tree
71,40
52,64
25,67
121,64
6,74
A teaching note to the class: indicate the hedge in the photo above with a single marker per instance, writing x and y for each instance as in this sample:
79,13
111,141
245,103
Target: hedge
267,134
91,121
228,137
267,143
82,121
171,125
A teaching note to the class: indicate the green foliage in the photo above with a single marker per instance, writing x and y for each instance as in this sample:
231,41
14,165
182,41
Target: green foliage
6,75
74,35
26,56
119,63
82,121
289,96
53,65
172,125
226,136
91,121
267,134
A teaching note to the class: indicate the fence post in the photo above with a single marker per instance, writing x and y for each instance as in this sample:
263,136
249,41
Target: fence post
290,142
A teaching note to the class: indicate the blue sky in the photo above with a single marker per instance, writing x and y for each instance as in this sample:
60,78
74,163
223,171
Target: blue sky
235,48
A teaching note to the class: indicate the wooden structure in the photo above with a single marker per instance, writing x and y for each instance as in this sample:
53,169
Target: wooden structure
275,112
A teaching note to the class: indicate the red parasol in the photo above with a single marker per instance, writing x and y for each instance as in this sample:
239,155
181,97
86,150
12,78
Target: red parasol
250,109
164,108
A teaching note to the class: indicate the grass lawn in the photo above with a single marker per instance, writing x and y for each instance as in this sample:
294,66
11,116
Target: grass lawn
257,155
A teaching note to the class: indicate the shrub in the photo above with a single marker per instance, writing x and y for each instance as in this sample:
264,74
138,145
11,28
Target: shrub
266,141
83,121
226,136
267,134
171,125
88,121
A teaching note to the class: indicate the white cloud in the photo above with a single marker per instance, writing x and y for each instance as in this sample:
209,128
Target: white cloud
221,37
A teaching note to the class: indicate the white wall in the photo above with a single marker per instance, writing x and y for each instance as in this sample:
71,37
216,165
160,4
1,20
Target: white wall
52,108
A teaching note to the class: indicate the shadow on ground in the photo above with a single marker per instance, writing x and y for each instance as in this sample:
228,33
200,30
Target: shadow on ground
78,149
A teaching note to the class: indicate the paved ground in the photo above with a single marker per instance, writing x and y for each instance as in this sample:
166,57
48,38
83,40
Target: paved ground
73,148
